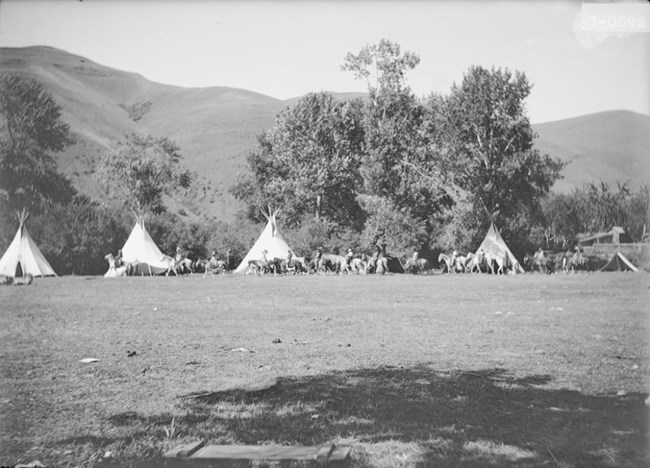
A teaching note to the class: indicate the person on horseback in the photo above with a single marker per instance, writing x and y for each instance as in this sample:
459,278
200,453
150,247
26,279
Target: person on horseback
316,262
118,259
349,256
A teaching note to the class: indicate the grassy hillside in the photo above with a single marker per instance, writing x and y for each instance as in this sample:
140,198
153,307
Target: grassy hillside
613,146
215,127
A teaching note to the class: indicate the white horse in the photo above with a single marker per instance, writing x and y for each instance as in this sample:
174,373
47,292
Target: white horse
459,264
171,264
262,266
415,264
183,264
359,266
474,262
500,260
114,271
447,260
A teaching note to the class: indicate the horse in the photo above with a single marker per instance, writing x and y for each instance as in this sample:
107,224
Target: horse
171,265
254,267
334,263
538,263
199,265
459,264
214,267
415,264
500,260
302,264
447,261
359,266
377,264
474,262
114,271
17,281
293,265
183,264
576,262
264,265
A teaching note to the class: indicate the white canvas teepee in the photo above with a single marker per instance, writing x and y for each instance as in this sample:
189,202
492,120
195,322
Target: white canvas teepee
270,240
23,251
495,245
140,248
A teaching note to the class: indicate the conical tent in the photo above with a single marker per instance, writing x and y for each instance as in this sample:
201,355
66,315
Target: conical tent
23,251
494,245
619,262
140,248
270,240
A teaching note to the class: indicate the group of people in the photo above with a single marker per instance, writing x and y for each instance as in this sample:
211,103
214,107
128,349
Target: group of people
568,261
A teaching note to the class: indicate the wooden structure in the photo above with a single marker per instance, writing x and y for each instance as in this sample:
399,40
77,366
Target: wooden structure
199,451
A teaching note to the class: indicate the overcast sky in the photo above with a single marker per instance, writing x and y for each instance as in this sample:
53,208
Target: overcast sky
288,48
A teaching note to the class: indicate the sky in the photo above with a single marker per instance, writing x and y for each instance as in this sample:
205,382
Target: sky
288,48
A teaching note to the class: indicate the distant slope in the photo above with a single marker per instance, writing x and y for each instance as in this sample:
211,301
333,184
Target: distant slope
612,146
216,127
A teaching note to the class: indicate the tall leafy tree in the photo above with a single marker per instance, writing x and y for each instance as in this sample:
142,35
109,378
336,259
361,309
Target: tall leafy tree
142,171
402,168
490,143
308,162
31,131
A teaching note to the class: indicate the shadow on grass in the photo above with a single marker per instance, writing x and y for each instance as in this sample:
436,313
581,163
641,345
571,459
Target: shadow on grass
419,417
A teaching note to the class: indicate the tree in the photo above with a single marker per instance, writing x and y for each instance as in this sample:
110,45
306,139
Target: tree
31,130
383,66
595,207
141,171
562,218
402,166
490,143
308,162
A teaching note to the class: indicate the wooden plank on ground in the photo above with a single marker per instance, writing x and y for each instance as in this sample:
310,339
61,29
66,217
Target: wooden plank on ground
185,451
328,452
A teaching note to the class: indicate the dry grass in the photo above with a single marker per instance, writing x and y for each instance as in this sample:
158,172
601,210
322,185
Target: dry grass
408,371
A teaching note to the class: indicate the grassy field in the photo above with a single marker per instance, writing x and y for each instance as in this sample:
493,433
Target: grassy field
466,370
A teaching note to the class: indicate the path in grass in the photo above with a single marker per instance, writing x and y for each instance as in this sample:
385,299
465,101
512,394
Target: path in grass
480,369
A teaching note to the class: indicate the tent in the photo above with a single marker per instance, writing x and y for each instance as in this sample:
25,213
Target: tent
24,252
618,262
494,245
270,240
141,251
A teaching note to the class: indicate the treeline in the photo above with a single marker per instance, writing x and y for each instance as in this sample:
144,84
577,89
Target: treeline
426,173
592,208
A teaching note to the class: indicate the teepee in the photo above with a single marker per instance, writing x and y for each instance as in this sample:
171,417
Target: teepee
619,262
141,249
23,251
494,245
270,240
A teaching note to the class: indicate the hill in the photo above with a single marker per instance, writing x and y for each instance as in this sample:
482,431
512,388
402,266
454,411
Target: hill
216,127
612,146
